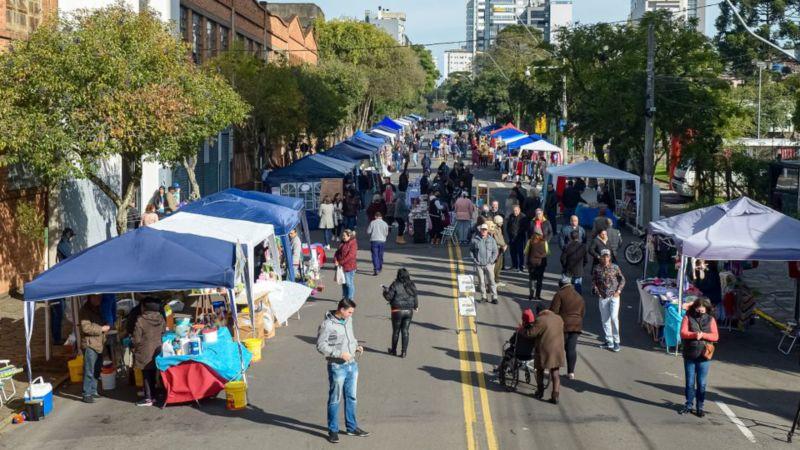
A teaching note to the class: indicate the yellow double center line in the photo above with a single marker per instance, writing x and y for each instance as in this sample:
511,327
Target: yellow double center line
466,355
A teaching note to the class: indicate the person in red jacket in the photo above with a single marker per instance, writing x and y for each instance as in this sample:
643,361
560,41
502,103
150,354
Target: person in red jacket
698,334
345,257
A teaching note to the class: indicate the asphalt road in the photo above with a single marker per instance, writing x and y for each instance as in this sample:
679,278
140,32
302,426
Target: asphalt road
444,395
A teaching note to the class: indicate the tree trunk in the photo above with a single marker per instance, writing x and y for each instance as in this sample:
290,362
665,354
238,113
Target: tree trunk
599,143
189,164
122,203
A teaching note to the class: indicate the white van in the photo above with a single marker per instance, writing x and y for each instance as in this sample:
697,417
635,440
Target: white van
685,177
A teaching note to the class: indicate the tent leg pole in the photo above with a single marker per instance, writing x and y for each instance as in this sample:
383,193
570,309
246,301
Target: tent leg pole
681,281
646,256
47,320
797,301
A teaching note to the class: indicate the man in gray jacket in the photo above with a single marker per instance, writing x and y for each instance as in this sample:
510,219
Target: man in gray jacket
484,254
336,341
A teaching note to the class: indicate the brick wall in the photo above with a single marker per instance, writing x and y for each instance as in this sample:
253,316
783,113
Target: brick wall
20,259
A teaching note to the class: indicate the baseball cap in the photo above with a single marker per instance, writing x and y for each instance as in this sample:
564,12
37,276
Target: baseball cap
483,227
605,252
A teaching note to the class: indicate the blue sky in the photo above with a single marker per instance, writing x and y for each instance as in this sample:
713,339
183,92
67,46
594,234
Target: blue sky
430,21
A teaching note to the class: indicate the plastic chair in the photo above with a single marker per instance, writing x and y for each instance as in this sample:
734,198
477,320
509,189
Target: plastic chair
7,372
790,335
449,235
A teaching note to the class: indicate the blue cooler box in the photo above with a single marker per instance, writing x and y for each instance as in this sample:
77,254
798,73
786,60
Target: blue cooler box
40,390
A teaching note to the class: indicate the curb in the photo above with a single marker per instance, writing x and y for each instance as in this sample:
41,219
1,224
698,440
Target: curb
5,421
774,322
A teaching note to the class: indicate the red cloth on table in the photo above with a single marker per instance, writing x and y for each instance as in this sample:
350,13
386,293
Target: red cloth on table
191,381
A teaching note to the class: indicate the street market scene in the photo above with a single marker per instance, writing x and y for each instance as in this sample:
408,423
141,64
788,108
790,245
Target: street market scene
305,225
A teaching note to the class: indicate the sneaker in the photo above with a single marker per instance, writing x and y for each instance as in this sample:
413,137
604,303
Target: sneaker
685,410
700,413
333,437
616,348
494,301
571,376
357,432
95,395
145,402
88,399
608,346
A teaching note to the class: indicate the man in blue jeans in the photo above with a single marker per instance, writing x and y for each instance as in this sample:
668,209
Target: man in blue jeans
336,341
378,231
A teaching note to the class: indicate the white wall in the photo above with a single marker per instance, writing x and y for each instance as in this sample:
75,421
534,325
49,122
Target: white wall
87,210
169,9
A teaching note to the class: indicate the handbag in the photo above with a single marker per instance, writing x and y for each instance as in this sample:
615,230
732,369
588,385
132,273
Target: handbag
339,277
708,351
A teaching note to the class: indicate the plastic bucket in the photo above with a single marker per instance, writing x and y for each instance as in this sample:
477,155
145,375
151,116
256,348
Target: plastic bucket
108,376
75,367
138,378
236,395
254,346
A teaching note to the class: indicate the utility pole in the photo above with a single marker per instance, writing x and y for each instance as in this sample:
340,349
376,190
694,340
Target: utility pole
649,129
761,65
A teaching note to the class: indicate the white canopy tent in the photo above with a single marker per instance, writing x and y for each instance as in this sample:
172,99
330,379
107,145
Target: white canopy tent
404,122
445,131
541,146
385,133
242,232
595,169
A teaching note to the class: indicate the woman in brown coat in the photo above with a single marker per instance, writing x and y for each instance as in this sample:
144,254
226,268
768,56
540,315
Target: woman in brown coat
569,304
146,337
548,331
536,257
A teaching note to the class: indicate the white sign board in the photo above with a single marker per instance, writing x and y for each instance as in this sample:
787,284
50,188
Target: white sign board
466,307
466,285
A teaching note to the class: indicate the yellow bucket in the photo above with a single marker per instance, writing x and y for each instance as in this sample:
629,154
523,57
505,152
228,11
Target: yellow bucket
75,367
236,395
254,346
138,378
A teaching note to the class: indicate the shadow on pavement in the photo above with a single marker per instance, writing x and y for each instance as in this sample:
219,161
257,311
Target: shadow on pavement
216,407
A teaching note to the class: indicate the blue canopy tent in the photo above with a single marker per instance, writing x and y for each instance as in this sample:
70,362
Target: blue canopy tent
386,129
307,168
253,207
509,133
377,140
488,129
516,145
375,135
364,144
350,151
347,166
142,260
387,122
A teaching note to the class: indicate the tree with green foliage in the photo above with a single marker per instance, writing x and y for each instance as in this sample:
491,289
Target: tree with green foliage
428,65
396,78
776,21
104,84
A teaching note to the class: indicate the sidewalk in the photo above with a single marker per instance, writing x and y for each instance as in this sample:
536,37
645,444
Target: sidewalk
12,347
776,290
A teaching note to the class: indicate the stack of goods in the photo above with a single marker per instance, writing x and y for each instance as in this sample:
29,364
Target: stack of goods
187,339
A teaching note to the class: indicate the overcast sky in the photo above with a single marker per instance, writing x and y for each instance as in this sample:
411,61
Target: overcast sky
432,21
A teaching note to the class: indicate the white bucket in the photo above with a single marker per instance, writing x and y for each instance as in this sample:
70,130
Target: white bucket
109,380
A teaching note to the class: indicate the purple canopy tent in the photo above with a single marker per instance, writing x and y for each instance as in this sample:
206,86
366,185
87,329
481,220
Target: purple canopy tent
739,230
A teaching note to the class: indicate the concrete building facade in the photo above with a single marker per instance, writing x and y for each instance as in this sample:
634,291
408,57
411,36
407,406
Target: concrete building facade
486,18
686,9
18,18
392,22
457,60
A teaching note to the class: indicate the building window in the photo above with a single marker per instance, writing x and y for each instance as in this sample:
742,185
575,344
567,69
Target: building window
223,38
183,25
23,15
197,36
211,38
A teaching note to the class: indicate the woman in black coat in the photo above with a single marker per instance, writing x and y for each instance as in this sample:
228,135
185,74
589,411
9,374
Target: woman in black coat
403,300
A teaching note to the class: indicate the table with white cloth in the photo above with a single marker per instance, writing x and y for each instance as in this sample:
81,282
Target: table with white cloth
653,295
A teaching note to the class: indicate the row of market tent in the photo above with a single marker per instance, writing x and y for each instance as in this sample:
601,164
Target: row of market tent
208,244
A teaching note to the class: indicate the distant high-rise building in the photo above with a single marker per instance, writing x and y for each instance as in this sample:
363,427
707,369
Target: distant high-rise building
687,9
548,16
486,18
457,60
391,22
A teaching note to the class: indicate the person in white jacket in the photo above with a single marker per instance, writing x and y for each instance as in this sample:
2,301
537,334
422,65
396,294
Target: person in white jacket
326,222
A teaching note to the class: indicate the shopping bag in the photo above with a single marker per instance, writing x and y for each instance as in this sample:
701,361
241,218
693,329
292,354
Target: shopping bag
339,278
